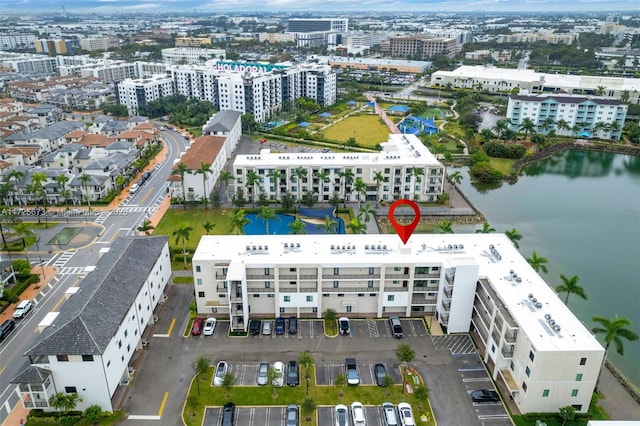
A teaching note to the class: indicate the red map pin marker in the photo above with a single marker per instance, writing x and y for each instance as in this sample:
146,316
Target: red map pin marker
404,231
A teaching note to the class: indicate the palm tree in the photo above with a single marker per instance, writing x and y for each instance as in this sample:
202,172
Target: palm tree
84,179
444,227
323,177
379,178
277,176
486,229
501,127
205,171
562,124
514,236
182,234
297,227
268,214
538,263
23,231
225,176
37,180
527,126
252,179
238,221
330,226
361,189
181,169
299,173
613,331
600,90
570,285
417,173
15,176
62,180
347,177
356,226
208,227
455,179
367,211
547,124
146,227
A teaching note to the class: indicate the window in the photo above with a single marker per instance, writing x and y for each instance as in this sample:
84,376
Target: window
574,392
70,389
370,283
527,371
282,310
583,361
108,363
360,294
201,294
315,309
359,170
579,377
336,271
267,284
128,348
198,268
349,308
493,348
287,298
372,295
397,269
119,344
531,355
270,295
340,294
391,298
198,281
371,270
545,393
524,386
292,269
309,298
512,366
256,295
266,271
335,284
63,358
126,333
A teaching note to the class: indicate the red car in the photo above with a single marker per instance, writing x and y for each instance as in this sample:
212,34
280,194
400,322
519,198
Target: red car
263,141
196,329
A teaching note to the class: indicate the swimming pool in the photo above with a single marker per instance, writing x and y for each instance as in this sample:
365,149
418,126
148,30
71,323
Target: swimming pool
256,225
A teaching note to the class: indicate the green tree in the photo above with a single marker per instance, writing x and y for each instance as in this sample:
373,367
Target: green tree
340,382
334,201
421,393
205,171
228,381
538,263
15,176
61,181
268,214
455,179
93,413
200,366
444,227
238,221
614,331
361,189
277,177
347,178
146,227
514,236
37,180
356,226
297,227
208,227
306,359
527,126
252,179
299,173
378,177
323,177
329,226
225,177
367,211
85,179
404,354
271,378
567,413
181,169
569,286
182,234
24,232
308,406
486,229
238,198
65,402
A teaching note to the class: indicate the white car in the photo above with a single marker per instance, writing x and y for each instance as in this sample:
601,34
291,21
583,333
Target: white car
209,327
357,414
342,415
278,376
266,328
221,371
134,188
406,414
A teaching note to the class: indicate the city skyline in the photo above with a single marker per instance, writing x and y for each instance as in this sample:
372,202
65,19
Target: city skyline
319,6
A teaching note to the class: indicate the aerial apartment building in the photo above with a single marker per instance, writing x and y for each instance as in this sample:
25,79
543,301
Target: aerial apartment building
577,115
404,168
423,46
135,94
538,352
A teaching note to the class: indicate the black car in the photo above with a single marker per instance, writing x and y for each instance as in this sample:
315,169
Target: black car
381,374
293,375
293,325
280,325
485,395
228,414
254,327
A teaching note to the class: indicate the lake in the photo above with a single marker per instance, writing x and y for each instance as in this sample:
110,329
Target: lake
580,210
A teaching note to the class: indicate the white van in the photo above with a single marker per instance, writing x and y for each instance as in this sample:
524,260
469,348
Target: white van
22,309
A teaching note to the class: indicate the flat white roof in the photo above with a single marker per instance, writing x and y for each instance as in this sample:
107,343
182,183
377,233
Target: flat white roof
258,251
399,149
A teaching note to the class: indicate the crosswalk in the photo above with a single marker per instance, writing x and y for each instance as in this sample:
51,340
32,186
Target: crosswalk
124,210
102,217
71,270
61,260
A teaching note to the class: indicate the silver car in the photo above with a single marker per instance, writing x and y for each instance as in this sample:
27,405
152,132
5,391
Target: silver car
266,328
263,373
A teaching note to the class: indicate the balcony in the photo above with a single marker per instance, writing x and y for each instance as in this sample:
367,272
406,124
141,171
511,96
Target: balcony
450,279
446,304
511,337
448,292
423,299
351,276
260,277
507,351
331,289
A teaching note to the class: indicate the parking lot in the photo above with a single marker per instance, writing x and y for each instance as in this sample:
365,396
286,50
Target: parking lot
326,373
249,416
371,413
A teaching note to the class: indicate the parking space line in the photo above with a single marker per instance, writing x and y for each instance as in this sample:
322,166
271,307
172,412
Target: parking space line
413,329
373,328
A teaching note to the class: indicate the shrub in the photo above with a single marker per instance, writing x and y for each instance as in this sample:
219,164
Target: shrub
500,150
483,172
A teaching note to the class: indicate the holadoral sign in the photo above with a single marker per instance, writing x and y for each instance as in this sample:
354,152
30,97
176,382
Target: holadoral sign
255,67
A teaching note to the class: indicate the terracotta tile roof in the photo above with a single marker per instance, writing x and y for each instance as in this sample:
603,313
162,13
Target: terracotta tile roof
75,134
204,149
93,140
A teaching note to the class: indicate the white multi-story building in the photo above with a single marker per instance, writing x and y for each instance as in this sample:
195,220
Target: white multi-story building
99,43
86,348
191,55
589,116
16,41
403,169
135,94
539,353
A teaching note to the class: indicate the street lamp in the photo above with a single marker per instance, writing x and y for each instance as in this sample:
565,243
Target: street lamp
307,377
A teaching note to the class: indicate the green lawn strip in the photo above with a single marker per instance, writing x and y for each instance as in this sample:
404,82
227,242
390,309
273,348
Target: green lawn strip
187,330
369,130
504,165
183,280
174,218
330,328
244,396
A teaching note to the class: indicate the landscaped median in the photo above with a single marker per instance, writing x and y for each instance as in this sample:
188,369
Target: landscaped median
202,395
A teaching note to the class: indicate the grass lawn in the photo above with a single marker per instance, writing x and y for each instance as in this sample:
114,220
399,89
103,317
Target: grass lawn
264,396
504,165
369,130
174,218
433,112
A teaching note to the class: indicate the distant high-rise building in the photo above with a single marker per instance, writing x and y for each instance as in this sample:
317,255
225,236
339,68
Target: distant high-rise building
312,25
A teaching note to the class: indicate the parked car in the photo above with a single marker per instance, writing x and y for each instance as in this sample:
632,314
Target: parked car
266,328
389,416
278,376
254,327
22,309
293,325
293,375
353,378
263,374
344,326
6,328
381,374
280,325
292,415
325,150
406,414
341,415
357,414
196,329
209,327
485,395
221,370
396,327
228,414
134,188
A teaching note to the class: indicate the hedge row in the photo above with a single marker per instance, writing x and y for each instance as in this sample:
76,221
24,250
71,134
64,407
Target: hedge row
501,150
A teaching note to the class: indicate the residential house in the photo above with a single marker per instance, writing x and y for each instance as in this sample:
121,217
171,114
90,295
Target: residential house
225,123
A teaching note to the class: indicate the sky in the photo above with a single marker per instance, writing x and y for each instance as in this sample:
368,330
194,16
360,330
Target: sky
124,6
